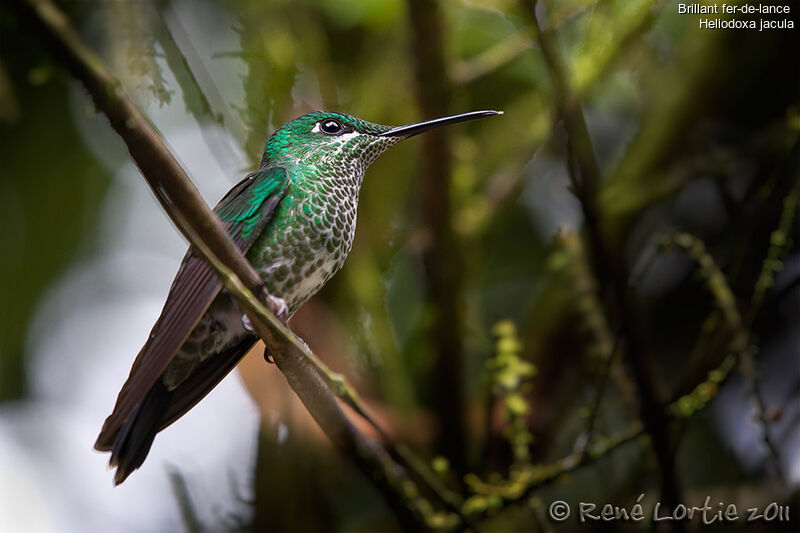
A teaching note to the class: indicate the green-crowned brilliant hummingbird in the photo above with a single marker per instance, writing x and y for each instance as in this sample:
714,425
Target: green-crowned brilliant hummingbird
294,218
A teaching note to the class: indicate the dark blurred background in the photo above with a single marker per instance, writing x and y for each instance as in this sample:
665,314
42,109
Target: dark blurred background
522,289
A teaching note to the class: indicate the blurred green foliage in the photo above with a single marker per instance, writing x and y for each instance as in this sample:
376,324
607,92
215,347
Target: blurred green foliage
50,191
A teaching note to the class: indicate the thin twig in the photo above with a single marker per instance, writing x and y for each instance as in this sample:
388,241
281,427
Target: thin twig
180,488
491,59
779,240
741,344
605,373
526,479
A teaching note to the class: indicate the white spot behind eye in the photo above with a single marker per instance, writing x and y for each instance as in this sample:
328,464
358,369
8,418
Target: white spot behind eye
344,137
316,129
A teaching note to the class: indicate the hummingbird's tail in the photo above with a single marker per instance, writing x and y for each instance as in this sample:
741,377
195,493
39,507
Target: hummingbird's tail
161,407
135,438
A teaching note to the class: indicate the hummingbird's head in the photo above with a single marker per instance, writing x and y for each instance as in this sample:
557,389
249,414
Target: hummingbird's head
327,139
343,144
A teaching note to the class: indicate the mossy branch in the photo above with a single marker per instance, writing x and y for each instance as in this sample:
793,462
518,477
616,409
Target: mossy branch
742,347
524,479
779,243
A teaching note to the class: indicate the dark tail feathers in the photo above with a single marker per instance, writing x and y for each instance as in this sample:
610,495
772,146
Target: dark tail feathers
136,437
161,407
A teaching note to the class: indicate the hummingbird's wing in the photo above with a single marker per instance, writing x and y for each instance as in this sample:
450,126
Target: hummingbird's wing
244,211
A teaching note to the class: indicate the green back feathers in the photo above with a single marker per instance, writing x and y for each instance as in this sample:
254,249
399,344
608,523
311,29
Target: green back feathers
242,209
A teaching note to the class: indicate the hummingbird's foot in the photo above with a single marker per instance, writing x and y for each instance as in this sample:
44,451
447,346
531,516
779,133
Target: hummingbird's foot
247,324
281,310
279,307
268,357
304,343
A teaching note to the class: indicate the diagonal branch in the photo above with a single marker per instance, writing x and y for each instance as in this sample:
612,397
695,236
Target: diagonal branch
183,203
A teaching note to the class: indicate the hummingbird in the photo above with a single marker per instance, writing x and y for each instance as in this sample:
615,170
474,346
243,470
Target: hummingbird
294,218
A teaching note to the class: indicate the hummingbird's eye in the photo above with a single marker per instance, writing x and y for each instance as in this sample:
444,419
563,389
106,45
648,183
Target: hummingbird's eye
331,126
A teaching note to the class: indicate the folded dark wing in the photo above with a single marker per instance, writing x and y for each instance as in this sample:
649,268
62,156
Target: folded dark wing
244,211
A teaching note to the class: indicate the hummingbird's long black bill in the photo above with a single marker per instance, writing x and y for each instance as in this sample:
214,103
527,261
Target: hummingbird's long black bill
410,130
